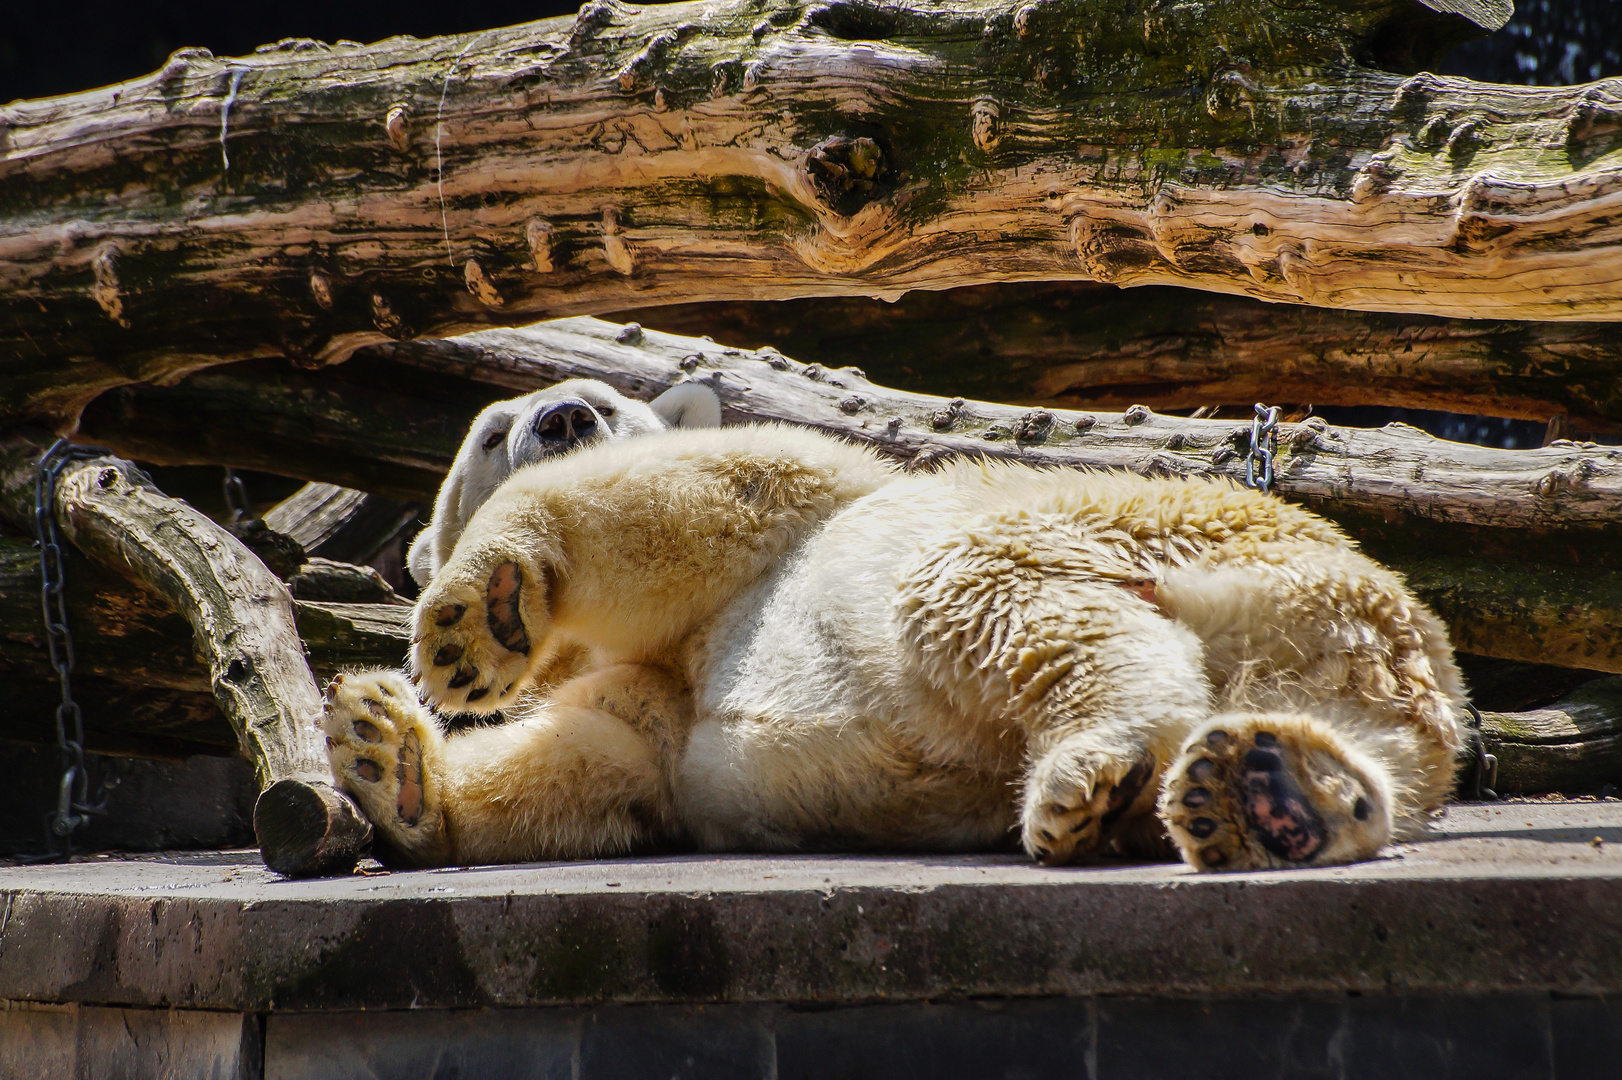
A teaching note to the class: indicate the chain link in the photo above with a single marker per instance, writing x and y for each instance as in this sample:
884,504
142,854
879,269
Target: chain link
73,805
1486,771
236,496
1263,444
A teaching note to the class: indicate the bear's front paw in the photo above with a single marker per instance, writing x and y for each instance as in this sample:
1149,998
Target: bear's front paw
1075,801
1252,792
384,748
472,651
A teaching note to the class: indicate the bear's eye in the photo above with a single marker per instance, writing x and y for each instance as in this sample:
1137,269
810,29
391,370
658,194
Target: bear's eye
605,410
494,439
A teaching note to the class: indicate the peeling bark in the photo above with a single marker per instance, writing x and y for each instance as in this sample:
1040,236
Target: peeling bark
308,200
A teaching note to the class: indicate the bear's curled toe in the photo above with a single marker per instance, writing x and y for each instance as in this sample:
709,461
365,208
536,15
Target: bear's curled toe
1264,791
383,747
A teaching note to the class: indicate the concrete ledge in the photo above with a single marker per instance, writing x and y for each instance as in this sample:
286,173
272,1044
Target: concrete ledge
1507,898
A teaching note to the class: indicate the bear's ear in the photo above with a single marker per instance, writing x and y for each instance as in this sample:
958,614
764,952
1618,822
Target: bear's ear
688,405
420,556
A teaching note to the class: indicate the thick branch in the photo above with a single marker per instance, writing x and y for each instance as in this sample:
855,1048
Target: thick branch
1572,746
311,199
1081,346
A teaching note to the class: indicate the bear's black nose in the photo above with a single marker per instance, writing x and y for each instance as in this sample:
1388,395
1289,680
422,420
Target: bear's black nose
564,423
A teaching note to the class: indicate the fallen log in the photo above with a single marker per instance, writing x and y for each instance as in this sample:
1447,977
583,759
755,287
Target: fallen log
310,199
1546,520
1080,346
1572,746
243,630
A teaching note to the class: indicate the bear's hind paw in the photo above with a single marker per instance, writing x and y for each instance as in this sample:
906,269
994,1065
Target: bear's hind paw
1072,808
383,748
1257,792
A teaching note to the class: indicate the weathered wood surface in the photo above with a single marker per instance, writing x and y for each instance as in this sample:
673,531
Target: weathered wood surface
1572,746
310,199
243,631
1076,345
408,441
342,524
1545,519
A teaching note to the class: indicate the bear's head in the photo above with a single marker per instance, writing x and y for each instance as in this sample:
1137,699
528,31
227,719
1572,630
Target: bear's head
508,435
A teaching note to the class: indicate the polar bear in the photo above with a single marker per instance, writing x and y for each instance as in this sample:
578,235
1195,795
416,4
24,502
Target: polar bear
563,417
799,647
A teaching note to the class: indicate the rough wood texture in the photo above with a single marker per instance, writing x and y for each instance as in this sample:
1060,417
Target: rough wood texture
339,523
1077,345
1410,498
243,631
1572,746
310,199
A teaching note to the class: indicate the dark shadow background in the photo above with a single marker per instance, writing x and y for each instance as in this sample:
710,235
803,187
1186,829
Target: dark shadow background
56,48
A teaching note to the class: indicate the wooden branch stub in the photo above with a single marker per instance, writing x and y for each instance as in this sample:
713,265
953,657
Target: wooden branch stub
243,629
307,828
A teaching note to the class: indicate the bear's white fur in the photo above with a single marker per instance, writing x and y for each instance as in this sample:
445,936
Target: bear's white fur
505,437
798,647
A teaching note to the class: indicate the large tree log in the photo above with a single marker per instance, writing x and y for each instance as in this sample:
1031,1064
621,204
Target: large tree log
243,630
1085,346
310,199
1413,500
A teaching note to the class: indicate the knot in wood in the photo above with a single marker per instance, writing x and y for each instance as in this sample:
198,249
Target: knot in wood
848,173
479,284
538,236
815,372
690,362
985,122
774,359
631,334
321,290
1085,422
1462,141
1596,114
893,428
943,419
395,125
1136,414
852,404
1034,426
388,320
1232,90
107,479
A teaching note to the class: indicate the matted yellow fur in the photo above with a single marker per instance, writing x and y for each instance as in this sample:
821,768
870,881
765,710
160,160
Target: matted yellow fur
798,647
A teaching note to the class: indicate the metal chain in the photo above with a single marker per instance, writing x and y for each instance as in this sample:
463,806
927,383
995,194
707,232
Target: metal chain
1263,444
236,496
73,805
1486,771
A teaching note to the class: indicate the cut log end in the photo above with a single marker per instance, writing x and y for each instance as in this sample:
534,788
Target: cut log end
309,829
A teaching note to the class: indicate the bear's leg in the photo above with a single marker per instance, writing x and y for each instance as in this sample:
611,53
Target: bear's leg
1082,791
571,779
384,748
1252,791
473,650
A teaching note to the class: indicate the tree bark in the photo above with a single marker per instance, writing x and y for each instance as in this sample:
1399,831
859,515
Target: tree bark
1572,746
311,199
1079,346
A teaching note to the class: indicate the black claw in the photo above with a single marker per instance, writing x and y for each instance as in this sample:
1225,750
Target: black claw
462,678
1361,809
1265,738
1202,769
1217,739
1076,828
1196,797
475,695
1202,827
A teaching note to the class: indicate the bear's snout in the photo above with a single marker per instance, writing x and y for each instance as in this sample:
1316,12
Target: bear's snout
562,424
